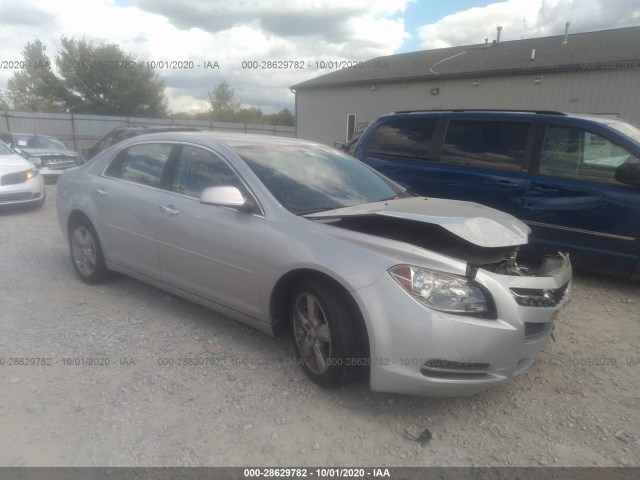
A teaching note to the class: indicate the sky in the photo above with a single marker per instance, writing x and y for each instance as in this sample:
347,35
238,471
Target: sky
244,33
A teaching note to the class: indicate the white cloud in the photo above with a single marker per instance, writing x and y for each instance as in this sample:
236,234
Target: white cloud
303,30
227,32
527,19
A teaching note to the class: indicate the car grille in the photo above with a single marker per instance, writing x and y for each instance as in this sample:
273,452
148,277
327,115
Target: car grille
16,197
533,297
58,161
13,178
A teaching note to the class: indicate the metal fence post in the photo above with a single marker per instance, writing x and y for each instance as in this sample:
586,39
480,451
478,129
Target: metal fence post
73,132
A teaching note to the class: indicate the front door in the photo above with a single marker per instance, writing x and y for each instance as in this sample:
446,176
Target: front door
210,251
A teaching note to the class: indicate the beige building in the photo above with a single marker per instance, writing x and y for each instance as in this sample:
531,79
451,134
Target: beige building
595,72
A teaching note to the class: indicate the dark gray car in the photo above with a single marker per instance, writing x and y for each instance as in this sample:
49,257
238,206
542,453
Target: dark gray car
47,153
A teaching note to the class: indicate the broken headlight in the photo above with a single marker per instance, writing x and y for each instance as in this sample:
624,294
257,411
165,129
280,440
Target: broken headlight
441,291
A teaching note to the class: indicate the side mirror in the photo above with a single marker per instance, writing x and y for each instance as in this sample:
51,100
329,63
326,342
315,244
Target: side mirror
628,173
339,145
226,196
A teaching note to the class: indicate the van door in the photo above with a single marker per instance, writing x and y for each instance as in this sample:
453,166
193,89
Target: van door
485,161
573,202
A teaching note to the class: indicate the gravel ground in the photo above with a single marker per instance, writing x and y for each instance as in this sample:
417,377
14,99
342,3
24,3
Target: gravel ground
577,406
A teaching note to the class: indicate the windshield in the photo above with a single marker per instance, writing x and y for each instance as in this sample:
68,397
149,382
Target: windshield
627,129
312,178
37,141
4,150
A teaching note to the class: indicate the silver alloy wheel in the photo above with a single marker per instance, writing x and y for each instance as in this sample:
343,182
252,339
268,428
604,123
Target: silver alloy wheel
312,333
83,249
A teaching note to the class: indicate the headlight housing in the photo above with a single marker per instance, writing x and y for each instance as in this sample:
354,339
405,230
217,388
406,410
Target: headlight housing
31,173
442,291
37,161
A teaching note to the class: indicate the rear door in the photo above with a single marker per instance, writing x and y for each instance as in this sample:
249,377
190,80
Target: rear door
126,200
573,202
479,160
484,161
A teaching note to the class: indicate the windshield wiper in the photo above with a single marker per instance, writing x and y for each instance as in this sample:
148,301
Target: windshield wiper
316,210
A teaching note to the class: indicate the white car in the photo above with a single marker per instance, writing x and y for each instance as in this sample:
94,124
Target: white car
20,180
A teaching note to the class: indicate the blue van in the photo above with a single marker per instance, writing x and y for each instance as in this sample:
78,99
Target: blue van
574,179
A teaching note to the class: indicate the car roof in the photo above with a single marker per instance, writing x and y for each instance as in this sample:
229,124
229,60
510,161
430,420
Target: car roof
32,134
151,128
541,114
230,139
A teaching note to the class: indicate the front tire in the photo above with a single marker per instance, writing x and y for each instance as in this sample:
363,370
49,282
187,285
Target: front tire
324,333
86,253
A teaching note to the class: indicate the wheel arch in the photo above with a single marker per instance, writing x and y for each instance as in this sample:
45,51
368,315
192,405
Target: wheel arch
75,217
281,296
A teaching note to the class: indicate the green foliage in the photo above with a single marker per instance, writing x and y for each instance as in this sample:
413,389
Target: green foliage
4,101
224,106
283,117
101,80
34,88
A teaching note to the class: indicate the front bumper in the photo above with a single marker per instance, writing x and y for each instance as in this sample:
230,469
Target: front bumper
31,191
53,171
418,351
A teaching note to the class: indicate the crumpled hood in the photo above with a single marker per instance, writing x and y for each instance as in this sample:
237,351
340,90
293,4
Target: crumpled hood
475,223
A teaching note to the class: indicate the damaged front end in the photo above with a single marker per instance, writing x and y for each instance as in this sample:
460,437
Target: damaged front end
498,259
469,329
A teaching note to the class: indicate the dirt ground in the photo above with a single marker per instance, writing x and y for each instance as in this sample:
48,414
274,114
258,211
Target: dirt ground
252,406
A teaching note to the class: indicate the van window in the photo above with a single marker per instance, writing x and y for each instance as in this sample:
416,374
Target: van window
575,153
406,138
488,144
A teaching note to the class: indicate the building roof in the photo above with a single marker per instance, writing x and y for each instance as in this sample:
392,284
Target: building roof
602,50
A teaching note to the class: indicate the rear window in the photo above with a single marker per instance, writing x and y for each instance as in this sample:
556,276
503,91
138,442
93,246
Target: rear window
406,138
488,144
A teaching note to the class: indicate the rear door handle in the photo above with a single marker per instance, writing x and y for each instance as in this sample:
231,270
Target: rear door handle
544,189
169,210
100,191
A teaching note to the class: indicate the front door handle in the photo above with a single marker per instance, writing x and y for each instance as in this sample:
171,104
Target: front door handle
101,192
507,184
169,210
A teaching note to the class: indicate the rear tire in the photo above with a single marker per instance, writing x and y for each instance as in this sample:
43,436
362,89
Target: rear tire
325,336
86,253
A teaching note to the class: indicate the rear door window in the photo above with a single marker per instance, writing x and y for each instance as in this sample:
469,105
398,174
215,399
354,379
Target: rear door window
571,152
404,138
142,164
487,144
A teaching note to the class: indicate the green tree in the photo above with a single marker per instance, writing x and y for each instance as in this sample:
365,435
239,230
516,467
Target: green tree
102,80
224,106
35,88
283,117
249,115
105,80
4,102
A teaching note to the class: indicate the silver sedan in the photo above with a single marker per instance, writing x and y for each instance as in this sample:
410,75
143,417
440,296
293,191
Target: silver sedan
421,295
